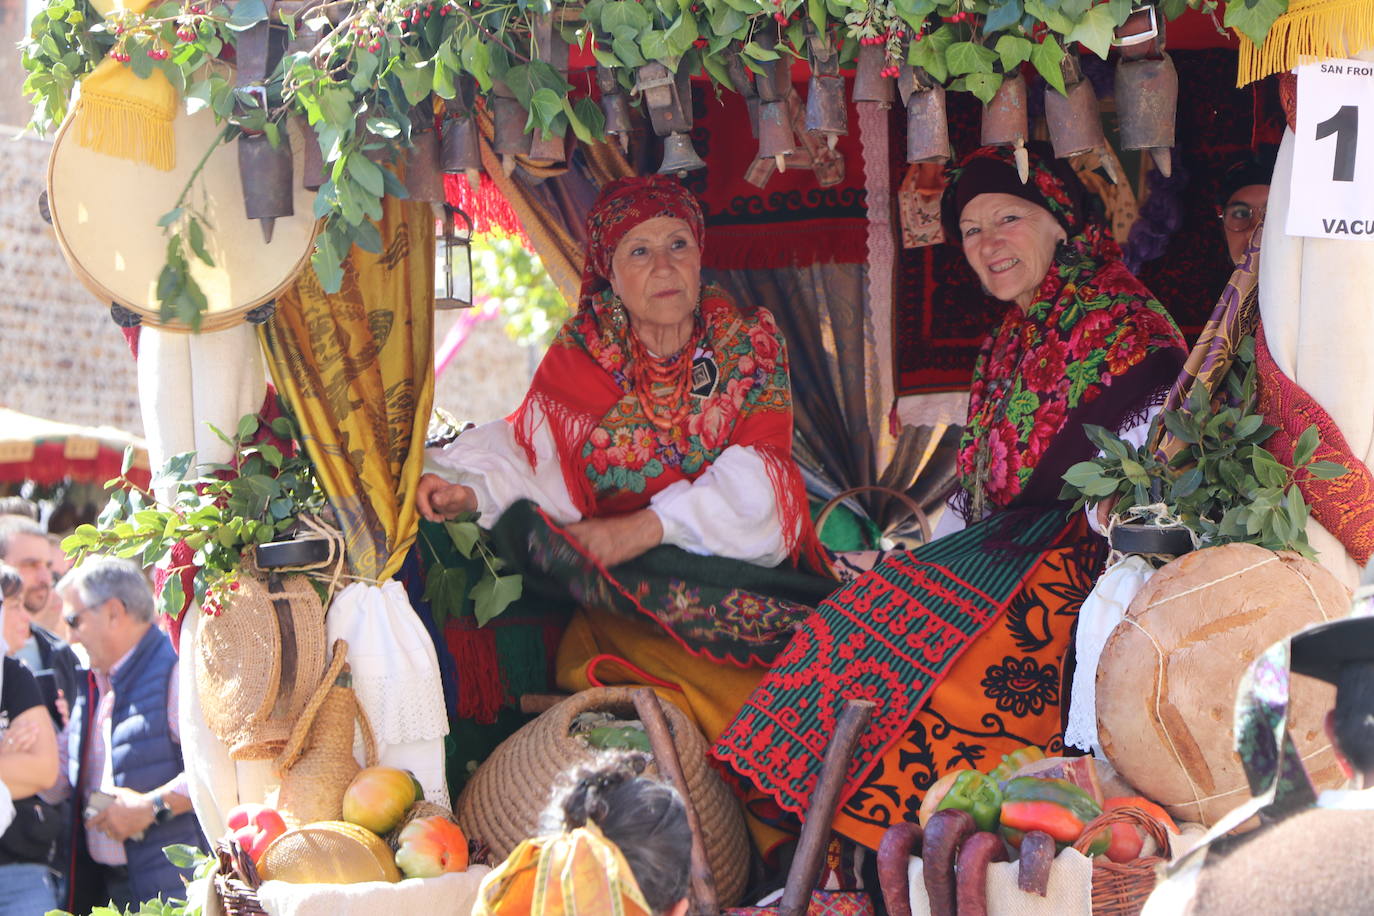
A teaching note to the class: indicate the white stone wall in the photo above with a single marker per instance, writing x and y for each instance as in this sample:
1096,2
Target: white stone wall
61,357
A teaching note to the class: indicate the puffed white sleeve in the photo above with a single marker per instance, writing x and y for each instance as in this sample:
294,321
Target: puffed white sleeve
729,511
489,460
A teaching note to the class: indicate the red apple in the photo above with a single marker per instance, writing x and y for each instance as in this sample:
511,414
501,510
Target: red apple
254,827
430,846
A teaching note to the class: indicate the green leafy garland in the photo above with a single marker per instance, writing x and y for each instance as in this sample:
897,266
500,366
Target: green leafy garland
1222,485
356,69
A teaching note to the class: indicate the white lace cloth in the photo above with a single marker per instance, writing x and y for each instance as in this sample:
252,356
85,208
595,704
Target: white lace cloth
396,679
1102,610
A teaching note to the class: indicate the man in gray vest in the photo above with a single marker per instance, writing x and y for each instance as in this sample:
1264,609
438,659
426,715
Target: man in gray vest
123,751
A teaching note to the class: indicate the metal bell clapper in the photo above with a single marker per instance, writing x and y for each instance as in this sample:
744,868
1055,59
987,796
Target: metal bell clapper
743,85
679,156
614,106
869,83
1074,121
927,126
508,131
1146,87
267,180
825,104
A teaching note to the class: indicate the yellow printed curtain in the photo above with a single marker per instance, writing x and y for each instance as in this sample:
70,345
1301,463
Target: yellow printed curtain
357,367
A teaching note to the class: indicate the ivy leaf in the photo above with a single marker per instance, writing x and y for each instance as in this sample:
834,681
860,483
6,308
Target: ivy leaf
1254,17
1013,50
465,536
758,52
545,106
446,590
1095,31
683,33
624,18
493,595
1327,470
983,85
476,57
653,44
1046,57
1002,16
247,13
966,57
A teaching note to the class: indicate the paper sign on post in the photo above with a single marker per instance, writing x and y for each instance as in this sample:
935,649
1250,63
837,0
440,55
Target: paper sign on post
1333,157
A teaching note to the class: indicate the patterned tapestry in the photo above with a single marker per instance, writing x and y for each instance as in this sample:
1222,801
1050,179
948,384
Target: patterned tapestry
941,314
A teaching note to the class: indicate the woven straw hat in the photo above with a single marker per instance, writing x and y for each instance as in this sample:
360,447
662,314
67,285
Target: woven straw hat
259,661
502,803
105,211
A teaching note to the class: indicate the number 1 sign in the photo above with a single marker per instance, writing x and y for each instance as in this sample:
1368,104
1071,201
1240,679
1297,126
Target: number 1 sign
1333,157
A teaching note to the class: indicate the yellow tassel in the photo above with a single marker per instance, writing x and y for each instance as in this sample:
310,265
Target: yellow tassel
121,115
1311,30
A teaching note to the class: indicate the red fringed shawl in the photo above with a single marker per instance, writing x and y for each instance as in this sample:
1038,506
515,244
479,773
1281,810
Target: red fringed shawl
612,456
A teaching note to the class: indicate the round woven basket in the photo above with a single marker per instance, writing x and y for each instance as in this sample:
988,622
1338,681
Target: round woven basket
1121,888
502,803
259,661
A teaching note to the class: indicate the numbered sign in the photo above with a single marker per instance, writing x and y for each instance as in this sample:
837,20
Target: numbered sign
1333,159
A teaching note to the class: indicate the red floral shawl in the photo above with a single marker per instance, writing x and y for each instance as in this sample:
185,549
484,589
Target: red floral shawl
614,459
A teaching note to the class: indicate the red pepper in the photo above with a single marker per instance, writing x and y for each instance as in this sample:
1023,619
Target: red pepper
1056,806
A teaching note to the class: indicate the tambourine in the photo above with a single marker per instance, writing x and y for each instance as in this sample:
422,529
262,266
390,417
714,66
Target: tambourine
105,211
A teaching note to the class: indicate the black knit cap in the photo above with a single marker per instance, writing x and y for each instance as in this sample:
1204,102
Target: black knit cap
1255,167
980,173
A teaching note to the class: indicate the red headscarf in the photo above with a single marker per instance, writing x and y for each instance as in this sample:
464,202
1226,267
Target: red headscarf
622,205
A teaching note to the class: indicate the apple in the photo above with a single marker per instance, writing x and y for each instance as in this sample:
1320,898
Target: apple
254,827
935,794
430,846
378,797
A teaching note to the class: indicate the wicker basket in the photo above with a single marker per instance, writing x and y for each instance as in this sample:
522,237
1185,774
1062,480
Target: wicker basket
1120,889
505,797
236,880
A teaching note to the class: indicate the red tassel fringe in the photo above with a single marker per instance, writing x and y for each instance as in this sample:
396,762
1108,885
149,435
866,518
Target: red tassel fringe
481,689
487,206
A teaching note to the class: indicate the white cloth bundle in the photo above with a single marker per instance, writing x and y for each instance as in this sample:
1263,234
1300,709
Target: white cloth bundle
396,679
1102,610
1070,891
447,895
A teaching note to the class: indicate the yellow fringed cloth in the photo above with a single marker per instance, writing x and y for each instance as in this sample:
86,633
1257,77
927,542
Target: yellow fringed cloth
1310,31
579,873
357,367
120,114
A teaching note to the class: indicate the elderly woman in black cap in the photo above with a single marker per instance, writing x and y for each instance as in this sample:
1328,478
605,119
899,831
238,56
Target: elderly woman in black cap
960,643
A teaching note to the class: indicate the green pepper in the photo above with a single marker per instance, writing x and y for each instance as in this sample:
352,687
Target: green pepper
978,795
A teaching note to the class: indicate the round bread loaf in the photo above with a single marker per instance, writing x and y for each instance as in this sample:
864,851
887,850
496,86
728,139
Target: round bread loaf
1167,679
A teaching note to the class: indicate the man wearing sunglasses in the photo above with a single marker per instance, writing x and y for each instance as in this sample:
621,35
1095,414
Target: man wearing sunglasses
1243,198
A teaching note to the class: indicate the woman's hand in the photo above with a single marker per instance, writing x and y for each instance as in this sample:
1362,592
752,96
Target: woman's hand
439,500
619,538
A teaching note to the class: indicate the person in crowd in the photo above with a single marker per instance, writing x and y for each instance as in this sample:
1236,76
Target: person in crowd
1243,198
122,754
656,441
961,643
1319,860
27,548
28,766
617,835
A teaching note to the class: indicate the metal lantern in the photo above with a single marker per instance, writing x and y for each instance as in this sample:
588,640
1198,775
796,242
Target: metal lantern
452,259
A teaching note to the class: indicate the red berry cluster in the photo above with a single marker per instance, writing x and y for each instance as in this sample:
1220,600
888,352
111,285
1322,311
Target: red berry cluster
120,56
959,17
159,53
367,35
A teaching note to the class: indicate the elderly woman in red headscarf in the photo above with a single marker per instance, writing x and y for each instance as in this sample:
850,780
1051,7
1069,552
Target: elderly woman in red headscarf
960,644
648,472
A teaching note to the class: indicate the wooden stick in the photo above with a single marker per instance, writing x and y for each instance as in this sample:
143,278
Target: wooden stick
825,799
703,884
